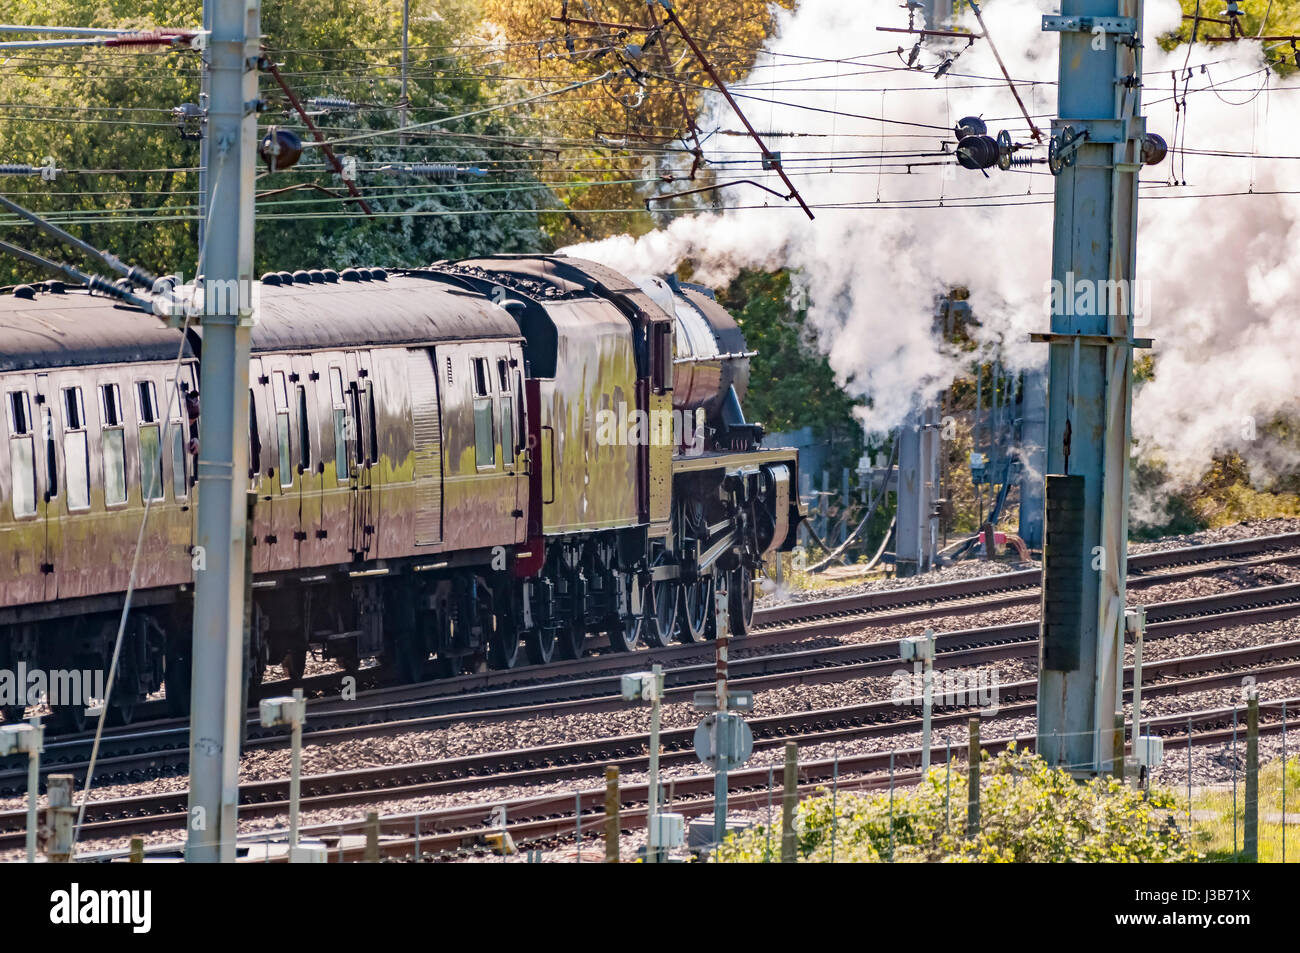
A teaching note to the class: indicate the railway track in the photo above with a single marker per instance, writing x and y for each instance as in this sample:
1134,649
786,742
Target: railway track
575,762
151,754
160,748
555,816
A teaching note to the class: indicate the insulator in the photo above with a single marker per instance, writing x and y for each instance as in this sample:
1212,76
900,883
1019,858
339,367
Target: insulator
26,292
434,170
280,149
317,276
286,277
17,169
977,152
970,126
331,102
271,278
1005,150
349,274
331,276
301,277
1154,149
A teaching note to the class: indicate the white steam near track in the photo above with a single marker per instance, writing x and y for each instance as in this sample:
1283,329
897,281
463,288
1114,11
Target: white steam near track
885,242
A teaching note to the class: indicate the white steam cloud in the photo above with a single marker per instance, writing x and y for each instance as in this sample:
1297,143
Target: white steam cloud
888,236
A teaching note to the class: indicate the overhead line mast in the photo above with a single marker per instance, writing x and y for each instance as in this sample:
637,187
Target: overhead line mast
1097,148
217,656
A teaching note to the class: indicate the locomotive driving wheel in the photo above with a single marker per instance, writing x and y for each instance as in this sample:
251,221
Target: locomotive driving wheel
626,635
659,608
697,622
740,600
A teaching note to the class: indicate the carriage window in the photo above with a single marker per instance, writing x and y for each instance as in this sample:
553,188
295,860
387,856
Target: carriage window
304,430
662,357
281,391
51,458
485,451
180,476
76,452
508,448
147,398
254,440
113,444
22,461
370,416
151,486
341,426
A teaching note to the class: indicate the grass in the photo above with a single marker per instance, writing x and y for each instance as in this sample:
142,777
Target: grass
1212,817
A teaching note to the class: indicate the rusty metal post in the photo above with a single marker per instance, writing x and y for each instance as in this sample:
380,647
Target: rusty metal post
611,814
1250,842
722,762
789,799
137,850
59,818
372,837
973,790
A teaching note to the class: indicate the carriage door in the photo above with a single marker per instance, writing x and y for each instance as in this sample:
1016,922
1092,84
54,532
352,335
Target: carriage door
426,434
278,467
303,389
365,459
47,437
511,408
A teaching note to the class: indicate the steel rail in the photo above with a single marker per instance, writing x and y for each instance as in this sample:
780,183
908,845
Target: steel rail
572,761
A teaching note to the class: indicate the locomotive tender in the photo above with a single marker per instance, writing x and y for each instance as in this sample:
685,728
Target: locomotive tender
453,466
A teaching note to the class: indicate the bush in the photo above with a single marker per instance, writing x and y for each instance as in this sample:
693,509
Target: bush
1030,812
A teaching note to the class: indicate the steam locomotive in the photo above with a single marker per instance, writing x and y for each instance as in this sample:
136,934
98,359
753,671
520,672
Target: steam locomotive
455,466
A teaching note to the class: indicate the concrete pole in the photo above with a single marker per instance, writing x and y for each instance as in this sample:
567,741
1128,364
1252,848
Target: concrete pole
1136,621
973,782
1251,836
927,703
652,838
295,772
789,800
33,783
722,726
1089,367
218,662
61,816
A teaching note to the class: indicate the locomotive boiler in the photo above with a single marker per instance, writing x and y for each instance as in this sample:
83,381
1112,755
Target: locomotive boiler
450,467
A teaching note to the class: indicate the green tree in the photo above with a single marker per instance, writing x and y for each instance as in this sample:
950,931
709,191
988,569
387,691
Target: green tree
94,110
794,385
